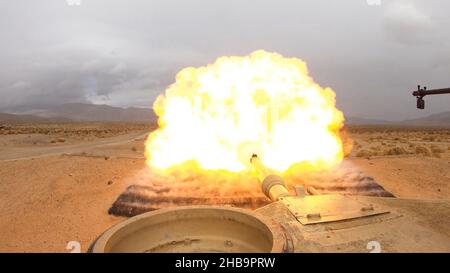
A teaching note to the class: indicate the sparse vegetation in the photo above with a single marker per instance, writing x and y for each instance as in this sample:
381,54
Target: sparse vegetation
423,150
395,141
364,153
436,150
397,151
81,131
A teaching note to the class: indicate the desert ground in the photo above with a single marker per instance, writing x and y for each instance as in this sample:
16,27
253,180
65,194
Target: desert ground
59,181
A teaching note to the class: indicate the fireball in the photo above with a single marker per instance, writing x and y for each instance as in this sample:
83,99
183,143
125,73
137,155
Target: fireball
216,116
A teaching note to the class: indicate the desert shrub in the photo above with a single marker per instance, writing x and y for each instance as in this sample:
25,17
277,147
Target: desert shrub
423,150
429,138
397,151
436,150
363,153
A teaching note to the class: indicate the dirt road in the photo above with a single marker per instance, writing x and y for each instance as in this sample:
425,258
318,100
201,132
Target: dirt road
15,153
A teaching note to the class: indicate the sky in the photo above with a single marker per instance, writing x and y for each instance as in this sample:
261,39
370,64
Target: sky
372,53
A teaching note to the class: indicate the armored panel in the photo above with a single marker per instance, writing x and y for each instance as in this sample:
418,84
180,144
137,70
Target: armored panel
328,208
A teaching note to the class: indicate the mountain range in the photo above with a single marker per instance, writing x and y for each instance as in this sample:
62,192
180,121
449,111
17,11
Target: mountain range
434,120
81,112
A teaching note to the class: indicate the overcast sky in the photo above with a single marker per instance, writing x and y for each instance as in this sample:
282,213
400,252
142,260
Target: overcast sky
125,52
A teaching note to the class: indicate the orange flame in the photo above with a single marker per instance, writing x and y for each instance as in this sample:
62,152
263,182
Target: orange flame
216,117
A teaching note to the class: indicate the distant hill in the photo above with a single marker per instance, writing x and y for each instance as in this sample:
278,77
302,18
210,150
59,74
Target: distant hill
18,119
434,120
94,112
104,113
365,121
80,112
438,120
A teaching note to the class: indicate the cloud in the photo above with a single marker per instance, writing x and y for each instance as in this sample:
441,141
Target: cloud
125,53
51,76
407,24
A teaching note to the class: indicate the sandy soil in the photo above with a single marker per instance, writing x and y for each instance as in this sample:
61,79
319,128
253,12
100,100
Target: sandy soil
409,162
53,192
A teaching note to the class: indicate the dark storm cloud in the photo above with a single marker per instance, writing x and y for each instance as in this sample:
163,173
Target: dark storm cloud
81,79
125,53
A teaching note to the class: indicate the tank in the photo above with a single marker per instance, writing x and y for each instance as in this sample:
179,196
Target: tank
305,222
195,229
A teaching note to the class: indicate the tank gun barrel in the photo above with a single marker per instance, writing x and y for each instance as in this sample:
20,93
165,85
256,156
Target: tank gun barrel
272,185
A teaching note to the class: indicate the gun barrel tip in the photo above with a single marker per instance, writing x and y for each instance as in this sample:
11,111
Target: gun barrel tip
253,156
